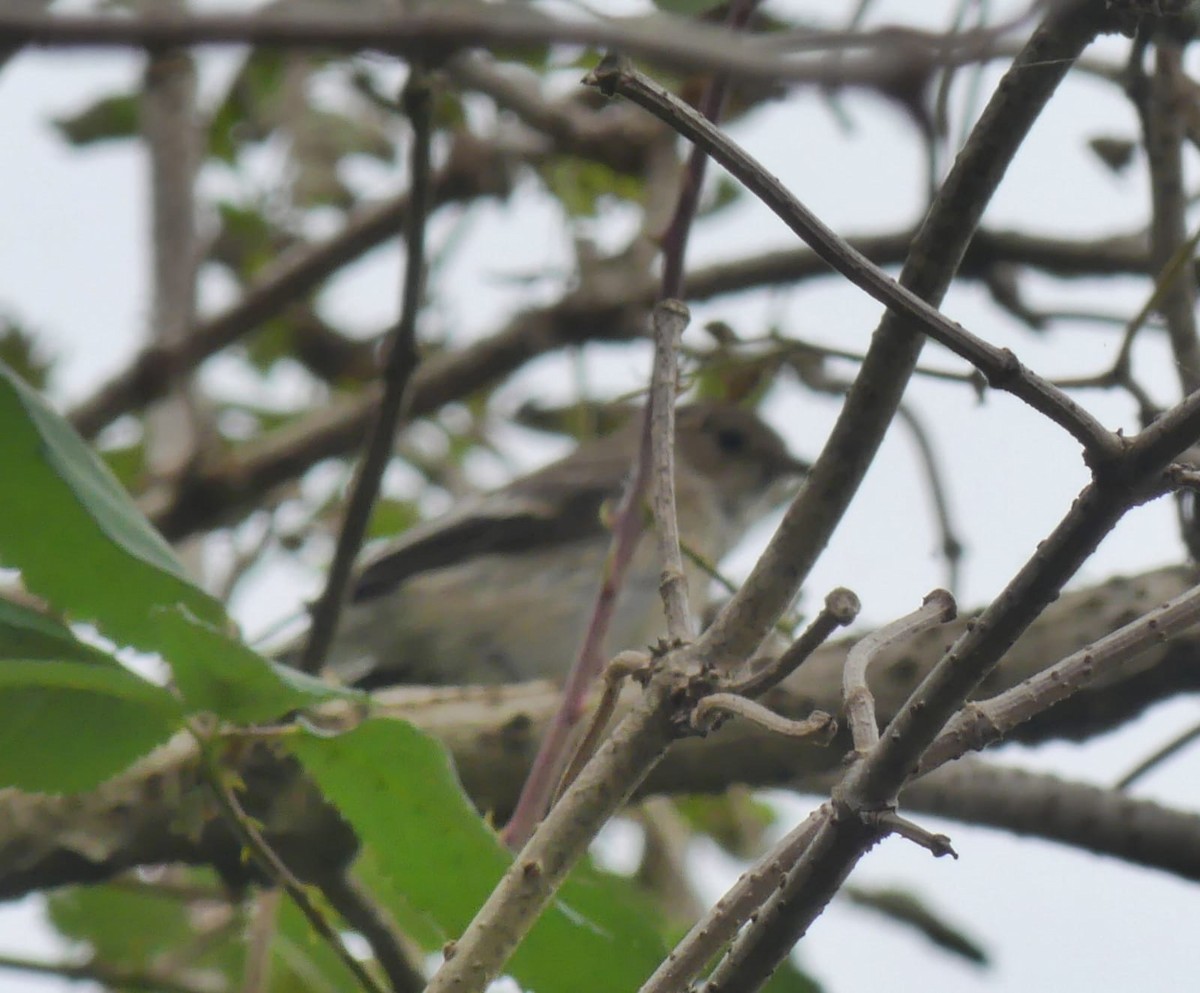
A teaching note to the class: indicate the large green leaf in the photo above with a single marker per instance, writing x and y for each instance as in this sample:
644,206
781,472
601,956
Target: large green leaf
73,532
215,672
68,726
432,858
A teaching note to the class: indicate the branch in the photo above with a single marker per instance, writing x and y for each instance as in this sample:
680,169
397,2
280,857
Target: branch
871,785
136,819
436,32
1084,816
999,365
474,169
935,253
670,320
400,363
981,723
937,608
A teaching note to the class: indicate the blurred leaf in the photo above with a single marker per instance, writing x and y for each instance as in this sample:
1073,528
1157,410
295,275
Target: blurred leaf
432,858
303,962
272,342
247,241
736,820
580,185
337,135
585,419
108,119
68,726
687,8
318,183
28,634
903,907
19,350
448,112
392,517
216,673
726,192
128,927
105,564
726,375
250,110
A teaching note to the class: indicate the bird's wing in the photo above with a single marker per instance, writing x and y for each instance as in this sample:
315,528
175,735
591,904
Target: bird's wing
538,510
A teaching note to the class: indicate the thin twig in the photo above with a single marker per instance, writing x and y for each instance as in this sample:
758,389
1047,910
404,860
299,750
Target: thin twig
840,609
553,753
983,722
713,931
952,546
938,607
400,363
474,169
361,911
620,667
669,320
937,845
260,936
437,31
1001,367
249,835
1158,757
674,240
1163,122
818,725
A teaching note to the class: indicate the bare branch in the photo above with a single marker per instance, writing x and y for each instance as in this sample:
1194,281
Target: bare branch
1001,367
840,609
399,365
670,318
818,724
937,608
986,721
436,32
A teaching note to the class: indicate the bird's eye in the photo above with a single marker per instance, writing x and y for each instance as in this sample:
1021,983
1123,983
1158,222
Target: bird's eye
731,441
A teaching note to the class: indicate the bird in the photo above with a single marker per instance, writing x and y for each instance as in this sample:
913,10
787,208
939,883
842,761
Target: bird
501,588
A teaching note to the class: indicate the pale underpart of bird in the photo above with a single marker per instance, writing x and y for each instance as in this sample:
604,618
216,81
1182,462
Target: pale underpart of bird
501,589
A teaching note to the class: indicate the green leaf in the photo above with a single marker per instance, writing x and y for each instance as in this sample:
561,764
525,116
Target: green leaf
431,859
247,242
303,962
68,726
392,517
73,532
126,927
27,634
108,119
687,8
217,673
580,186
250,110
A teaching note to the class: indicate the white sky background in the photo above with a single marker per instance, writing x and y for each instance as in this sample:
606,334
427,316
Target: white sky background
74,265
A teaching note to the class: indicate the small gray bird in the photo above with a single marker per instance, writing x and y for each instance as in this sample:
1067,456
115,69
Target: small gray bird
501,588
